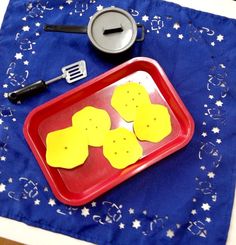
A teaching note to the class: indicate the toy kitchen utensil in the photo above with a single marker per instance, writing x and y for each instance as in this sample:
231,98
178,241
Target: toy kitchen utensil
111,30
72,73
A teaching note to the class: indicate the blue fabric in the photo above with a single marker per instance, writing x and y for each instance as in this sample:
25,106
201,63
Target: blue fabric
187,197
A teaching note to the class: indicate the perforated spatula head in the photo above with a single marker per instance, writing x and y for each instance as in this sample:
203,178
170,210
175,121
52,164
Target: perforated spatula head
74,72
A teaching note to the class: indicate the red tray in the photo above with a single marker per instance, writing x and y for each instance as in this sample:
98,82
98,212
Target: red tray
84,183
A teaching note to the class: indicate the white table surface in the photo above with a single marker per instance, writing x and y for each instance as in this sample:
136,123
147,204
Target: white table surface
30,235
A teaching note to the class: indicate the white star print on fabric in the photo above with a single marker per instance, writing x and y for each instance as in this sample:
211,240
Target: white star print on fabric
181,36
204,134
168,35
131,210
37,202
219,103
220,38
2,187
211,96
51,202
205,206
10,180
93,204
18,56
215,130
202,167
208,219
211,175
145,18
3,158
136,224
45,189
13,119
213,44
26,62
37,34
5,85
85,212
1,121
122,226
178,226
25,28
69,1
170,233
176,26
5,95
193,212
37,24
222,66
218,141
145,212
99,7
61,7
194,199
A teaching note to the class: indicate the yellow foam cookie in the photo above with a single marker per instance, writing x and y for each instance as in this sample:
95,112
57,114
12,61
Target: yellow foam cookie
94,122
127,98
152,123
66,148
121,148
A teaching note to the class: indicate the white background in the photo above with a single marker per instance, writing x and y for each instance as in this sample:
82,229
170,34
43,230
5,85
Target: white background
23,233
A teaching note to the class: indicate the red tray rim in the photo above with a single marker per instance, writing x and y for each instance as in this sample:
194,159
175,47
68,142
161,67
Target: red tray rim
88,198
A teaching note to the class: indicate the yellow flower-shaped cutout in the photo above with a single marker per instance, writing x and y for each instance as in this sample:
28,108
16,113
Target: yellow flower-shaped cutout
127,98
152,123
121,148
66,148
94,122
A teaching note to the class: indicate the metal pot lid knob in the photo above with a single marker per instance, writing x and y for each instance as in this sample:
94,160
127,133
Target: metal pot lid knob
112,30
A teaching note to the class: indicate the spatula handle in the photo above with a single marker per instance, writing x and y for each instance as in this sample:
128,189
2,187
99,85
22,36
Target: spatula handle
27,91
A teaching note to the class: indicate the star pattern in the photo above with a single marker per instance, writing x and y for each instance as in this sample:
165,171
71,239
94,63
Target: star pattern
215,130
145,18
99,7
37,24
3,158
170,234
219,103
19,56
10,180
25,28
2,187
131,211
193,212
5,85
26,62
69,1
37,202
1,121
213,44
122,226
211,175
93,204
218,141
204,134
211,96
208,219
51,202
85,212
220,38
205,206
136,224
168,35
181,36
176,26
